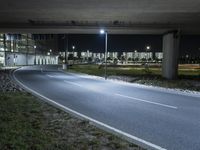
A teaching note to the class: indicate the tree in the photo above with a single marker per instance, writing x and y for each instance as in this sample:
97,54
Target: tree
70,57
115,61
129,59
122,59
89,59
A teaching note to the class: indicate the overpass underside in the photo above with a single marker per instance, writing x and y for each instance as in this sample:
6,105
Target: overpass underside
169,18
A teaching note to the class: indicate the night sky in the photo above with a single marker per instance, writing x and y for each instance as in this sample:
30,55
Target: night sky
190,44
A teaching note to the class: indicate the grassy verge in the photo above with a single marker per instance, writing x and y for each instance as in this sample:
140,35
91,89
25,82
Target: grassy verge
188,78
27,123
99,70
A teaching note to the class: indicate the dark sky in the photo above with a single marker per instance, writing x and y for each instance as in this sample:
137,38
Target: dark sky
190,44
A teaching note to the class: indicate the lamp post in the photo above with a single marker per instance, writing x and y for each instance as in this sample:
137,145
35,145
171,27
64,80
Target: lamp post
199,62
50,51
135,51
106,50
88,55
147,49
35,54
73,47
66,52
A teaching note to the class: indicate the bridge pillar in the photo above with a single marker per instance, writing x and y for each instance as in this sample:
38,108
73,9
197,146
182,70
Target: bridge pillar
170,54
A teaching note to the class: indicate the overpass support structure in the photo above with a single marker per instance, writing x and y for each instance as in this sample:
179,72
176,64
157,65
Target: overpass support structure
171,44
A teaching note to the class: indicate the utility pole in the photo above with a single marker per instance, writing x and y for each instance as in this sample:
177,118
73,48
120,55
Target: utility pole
4,45
66,52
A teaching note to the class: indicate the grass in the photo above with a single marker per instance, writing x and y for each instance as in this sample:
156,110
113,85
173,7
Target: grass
132,71
21,123
97,70
27,123
179,84
188,77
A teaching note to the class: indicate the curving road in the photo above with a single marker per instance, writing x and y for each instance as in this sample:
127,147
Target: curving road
163,118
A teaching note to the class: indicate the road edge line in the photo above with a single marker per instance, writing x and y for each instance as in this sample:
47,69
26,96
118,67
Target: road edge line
101,125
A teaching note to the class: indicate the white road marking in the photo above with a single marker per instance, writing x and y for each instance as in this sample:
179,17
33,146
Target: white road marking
146,101
94,89
50,76
73,83
136,99
127,135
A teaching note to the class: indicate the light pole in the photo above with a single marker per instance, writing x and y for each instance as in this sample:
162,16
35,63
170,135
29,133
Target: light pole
106,49
147,49
135,55
73,47
49,53
35,54
88,55
199,62
66,52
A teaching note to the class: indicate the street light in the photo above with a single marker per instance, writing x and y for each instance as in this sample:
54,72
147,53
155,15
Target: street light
199,62
73,47
66,52
49,53
102,31
147,49
88,55
35,54
135,51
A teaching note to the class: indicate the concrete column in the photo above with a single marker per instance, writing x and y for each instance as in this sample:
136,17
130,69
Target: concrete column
170,54
4,46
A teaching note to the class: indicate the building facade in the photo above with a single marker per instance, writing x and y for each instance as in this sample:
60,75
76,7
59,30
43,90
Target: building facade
126,56
22,49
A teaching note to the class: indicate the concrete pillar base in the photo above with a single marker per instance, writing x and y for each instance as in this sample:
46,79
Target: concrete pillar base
171,41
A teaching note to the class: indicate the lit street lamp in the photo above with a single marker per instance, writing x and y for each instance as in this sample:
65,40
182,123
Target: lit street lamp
73,47
147,49
49,53
106,49
135,55
35,54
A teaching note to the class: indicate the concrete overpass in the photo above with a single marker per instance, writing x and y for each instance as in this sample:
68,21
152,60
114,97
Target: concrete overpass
168,17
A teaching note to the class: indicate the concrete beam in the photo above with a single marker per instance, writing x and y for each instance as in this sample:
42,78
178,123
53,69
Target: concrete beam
94,29
171,42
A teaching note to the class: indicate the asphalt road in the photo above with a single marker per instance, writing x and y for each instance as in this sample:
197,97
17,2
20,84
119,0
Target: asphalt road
166,119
